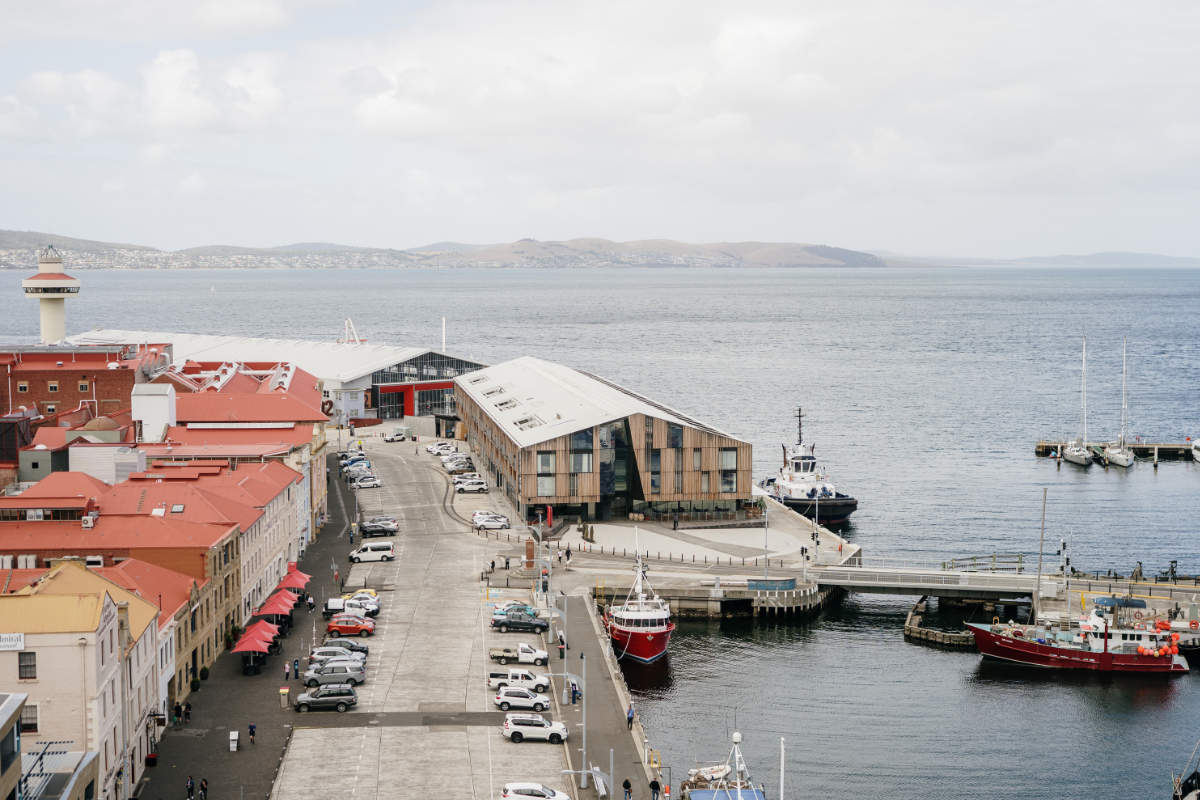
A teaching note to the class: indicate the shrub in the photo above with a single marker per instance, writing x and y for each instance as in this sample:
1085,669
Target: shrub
195,684
204,673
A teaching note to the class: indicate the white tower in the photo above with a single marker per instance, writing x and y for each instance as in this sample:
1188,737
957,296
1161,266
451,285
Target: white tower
51,286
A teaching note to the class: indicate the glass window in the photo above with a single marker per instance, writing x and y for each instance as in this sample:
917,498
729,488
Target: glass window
581,440
704,482
22,386
581,462
728,458
8,749
729,480
545,462
83,386
29,719
545,486
27,665
655,471
695,459
674,435
573,491
52,386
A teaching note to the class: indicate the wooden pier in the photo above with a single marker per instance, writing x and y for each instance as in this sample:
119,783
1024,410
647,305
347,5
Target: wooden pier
1150,451
913,631
727,598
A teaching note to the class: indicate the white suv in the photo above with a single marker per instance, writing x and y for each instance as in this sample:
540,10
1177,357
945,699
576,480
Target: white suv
514,697
519,727
472,486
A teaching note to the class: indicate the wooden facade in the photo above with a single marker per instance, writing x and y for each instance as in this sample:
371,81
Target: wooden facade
514,470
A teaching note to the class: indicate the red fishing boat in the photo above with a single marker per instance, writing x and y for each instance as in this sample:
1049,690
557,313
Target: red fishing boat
640,627
1095,645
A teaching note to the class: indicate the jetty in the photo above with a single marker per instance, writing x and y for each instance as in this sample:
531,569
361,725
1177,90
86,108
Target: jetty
1149,451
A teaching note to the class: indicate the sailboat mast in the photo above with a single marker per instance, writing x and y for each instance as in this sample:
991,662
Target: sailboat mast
1124,404
1083,389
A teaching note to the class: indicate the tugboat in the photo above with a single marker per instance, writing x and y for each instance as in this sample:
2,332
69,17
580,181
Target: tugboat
723,781
640,627
802,486
1098,645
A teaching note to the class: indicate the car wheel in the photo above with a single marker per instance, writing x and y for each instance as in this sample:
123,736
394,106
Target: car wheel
460,490
364,634
504,706
555,738
505,526
311,684
340,707
540,688
388,558
302,708
502,628
502,660
354,560
537,662
517,737
538,707
501,685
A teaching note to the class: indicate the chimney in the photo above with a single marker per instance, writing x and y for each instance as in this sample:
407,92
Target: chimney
154,409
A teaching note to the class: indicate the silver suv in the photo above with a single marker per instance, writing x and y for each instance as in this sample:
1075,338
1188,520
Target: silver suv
338,696
320,654
519,727
340,671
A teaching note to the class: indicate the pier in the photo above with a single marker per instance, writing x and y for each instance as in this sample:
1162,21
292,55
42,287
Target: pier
1148,451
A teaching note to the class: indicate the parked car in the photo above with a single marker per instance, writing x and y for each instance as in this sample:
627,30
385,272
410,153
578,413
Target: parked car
383,520
368,601
518,621
366,482
351,672
368,530
470,476
511,607
338,696
522,678
394,437
460,467
534,791
328,653
522,654
336,606
471,486
352,459
374,551
515,697
350,625
519,727
353,645
440,448
492,523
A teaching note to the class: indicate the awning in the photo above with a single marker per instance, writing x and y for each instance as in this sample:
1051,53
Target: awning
293,567
279,603
294,580
262,629
248,644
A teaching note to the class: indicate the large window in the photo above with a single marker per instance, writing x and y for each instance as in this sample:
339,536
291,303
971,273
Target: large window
674,435
696,459
678,470
728,458
8,749
582,440
704,483
428,365
545,473
435,401
27,665
655,472
729,480
581,462
29,719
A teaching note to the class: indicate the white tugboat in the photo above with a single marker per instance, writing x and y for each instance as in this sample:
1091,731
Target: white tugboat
802,485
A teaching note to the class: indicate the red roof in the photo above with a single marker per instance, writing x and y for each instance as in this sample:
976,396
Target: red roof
21,501
67,484
109,532
295,436
196,503
50,276
12,580
208,451
241,407
165,588
52,437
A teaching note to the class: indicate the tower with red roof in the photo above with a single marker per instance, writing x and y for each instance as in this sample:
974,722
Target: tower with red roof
51,286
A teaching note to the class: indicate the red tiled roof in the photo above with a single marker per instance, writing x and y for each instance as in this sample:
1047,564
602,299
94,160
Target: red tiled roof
67,484
295,436
241,407
12,580
238,383
110,532
165,588
50,276
23,501
53,438
249,450
200,503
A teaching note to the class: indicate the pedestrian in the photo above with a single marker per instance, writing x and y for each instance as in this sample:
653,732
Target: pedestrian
574,692
252,728
296,668
629,717
178,714
560,555
628,787
187,712
191,788
506,562
204,789
654,789
493,565
568,554
287,670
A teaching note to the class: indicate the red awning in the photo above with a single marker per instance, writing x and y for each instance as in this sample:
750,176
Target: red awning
294,580
248,644
262,629
279,603
292,568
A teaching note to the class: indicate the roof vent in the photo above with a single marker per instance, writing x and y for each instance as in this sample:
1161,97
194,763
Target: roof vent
113,365
58,363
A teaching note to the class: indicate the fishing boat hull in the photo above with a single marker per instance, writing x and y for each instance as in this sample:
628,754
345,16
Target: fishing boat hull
1032,653
832,510
644,646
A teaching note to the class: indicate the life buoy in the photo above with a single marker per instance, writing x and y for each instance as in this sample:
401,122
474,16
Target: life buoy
1194,624
1137,615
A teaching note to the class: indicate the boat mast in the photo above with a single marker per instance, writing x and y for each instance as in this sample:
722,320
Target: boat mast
1083,389
1041,547
799,426
1124,405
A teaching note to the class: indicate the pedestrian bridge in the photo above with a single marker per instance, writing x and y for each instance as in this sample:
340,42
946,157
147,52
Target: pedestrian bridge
929,581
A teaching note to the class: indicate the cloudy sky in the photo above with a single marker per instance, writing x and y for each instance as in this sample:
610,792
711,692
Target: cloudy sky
955,128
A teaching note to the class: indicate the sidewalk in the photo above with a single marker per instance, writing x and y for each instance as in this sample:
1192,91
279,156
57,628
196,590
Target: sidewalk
229,700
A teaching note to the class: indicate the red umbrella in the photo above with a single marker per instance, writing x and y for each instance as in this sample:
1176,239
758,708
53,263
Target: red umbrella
279,603
248,644
292,568
294,580
262,628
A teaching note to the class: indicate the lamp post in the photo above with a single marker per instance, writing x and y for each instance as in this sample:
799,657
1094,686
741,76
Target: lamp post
583,779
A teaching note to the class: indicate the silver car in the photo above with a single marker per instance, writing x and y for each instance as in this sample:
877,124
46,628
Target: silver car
323,654
338,671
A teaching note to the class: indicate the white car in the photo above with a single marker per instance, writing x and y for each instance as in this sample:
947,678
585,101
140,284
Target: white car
367,601
439,448
536,791
471,486
519,727
330,653
495,523
515,697
371,482
469,476
483,512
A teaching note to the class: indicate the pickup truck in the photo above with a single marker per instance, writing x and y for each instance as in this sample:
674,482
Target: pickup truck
519,621
520,678
522,654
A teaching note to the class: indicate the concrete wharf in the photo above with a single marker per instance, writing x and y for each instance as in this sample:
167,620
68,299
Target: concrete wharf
1157,451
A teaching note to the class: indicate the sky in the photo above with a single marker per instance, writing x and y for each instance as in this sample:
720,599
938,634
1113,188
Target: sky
928,128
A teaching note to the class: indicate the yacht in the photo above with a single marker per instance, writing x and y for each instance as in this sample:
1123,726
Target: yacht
802,486
1118,452
1076,451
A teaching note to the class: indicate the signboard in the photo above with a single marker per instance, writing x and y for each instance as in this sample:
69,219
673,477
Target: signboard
12,641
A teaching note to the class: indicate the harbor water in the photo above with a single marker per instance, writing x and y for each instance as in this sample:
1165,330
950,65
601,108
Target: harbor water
924,392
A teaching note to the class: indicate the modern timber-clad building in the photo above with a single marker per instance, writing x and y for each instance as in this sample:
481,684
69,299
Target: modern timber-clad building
549,435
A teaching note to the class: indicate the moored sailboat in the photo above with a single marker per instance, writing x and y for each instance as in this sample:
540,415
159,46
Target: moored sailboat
1076,451
1118,452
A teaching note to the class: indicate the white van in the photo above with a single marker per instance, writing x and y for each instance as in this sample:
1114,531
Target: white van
374,551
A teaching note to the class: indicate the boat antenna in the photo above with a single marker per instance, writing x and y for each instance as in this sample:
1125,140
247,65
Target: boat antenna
799,426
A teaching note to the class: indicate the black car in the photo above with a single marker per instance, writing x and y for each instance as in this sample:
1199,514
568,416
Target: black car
370,529
336,696
353,645
519,622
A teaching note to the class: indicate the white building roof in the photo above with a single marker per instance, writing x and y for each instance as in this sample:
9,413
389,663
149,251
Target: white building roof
333,361
532,400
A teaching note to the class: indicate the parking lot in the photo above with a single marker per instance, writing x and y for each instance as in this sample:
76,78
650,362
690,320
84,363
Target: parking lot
425,724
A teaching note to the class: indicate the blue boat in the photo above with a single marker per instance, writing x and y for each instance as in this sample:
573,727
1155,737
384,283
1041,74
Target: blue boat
728,780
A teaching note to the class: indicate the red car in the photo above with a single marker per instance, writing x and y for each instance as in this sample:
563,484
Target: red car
350,625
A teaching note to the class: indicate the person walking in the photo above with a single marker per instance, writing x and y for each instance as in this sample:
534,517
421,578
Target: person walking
311,603
191,788
204,789
287,670
296,668
178,714
627,786
187,712
568,554
629,718
654,789
252,728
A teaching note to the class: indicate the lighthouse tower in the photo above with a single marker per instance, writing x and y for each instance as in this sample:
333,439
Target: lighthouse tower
51,286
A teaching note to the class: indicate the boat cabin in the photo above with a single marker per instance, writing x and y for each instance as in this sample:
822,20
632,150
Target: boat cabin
642,614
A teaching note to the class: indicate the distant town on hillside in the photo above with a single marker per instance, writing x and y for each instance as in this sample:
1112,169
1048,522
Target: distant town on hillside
18,252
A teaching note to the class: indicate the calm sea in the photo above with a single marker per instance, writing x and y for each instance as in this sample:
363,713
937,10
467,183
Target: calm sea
924,391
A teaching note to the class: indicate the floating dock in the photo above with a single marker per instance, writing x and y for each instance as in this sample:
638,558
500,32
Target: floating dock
1156,451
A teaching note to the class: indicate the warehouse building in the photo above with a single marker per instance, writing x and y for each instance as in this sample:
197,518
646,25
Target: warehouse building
550,435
